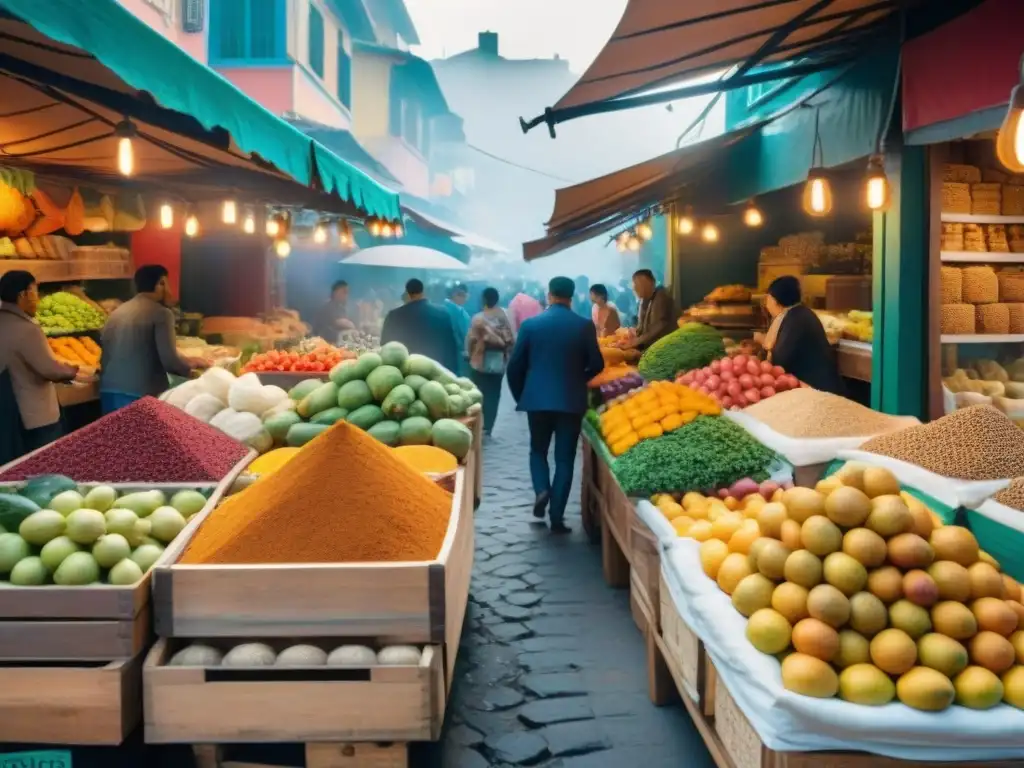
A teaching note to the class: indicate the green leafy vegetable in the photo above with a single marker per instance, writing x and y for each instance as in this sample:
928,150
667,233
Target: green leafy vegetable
711,452
692,346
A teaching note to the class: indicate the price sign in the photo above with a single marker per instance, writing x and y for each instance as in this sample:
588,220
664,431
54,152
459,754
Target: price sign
48,759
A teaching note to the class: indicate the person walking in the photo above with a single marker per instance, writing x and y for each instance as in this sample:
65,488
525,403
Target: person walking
554,357
604,314
333,318
140,344
656,317
522,307
455,306
423,328
29,409
489,344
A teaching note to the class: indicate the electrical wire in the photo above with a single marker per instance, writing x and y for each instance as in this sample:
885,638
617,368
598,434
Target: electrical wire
514,164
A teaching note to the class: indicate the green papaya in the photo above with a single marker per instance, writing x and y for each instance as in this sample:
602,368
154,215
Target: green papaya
387,432
278,425
365,417
466,384
419,408
420,365
415,381
365,363
396,404
435,398
457,404
453,389
344,372
453,436
300,434
354,394
394,353
320,399
303,388
330,416
415,430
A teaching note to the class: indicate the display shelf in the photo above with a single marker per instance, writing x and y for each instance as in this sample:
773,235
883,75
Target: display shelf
970,218
983,338
46,271
985,257
855,359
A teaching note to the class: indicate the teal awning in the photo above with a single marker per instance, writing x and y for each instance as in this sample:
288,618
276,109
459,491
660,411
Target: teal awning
146,61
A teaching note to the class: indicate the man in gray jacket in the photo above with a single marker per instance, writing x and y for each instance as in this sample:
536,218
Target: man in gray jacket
656,316
27,364
140,344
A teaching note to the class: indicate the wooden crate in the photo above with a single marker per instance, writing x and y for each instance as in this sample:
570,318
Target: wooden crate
645,566
590,491
91,623
92,704
618,509
418,602
613,559
686,654
301,704
317,755
638,606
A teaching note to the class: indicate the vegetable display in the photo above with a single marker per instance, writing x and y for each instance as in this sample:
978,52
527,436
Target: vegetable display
87,535
146,442
301,655
739,381
63,312
659,408
710,452
691,346
863,592
81,351
317,360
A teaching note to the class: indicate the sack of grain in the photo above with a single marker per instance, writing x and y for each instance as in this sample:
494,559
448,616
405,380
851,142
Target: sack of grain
981,286
952,285
957,319
992,318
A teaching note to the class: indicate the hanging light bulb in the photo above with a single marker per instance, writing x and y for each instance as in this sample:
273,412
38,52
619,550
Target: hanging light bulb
345,238
818,194
320,234
633,243
752,216
685,224
282,248
386,230
229,213
644,230
876,185
399,230
249,223
709,233
191,225
125,132
373,226
166,216
1010,139
273,226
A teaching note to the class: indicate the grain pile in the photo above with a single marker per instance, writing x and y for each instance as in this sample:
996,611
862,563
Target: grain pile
975,443
980,285
1013,495
957,318
809,413
992,318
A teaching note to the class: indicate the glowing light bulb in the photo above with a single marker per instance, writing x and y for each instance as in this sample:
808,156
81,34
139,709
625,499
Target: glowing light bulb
166,216
320,234
399,230
752,216
125,156
709,234
191,226
283,249
1010,139
685,225
644,231
249,224
633,243
229,214
273,227
876,187
374,228
817,194
1018,142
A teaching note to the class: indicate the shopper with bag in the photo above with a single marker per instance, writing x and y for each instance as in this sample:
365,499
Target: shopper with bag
488,345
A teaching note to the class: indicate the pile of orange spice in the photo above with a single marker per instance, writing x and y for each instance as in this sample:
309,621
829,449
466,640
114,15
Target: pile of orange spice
344,498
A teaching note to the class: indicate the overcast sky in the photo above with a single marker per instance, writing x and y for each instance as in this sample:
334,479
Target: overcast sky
574,29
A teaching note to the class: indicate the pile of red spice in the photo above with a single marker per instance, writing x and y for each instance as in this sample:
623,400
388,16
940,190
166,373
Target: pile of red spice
148,441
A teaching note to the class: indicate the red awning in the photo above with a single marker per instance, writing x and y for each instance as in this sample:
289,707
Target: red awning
964,67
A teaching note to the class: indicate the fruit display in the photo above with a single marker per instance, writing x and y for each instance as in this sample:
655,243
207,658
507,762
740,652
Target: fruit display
400,399
860,325
46,248
81,351
729,294
862,592
63,312
649,412
54,531
195,347
616,380
243,655
617,339
691,346
317,360
359,341
738,381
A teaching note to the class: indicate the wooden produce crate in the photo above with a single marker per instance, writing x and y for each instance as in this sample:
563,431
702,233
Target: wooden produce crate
645,567
87,704
297,704
685,655
416,602
92,623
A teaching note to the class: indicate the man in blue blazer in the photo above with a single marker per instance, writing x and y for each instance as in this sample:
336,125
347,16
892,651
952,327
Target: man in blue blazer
555,355
422,327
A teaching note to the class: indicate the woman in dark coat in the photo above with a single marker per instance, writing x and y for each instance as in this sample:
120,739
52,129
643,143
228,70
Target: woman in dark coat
796,339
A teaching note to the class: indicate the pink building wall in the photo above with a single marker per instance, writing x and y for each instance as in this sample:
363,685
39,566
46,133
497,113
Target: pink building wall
165,17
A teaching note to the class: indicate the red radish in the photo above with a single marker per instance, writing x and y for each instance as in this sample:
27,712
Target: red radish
727,402
778,370
767,392
723,493
767,380
753,368
781,384
714,382
693,385
734,389
704,389
746,381
793,381
699,377
766,367
716,366
686,378
740,401
752,396
739,361
725,364
728,375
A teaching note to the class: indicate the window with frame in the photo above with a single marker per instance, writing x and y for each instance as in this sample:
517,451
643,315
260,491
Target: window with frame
344,72
316,41
248,30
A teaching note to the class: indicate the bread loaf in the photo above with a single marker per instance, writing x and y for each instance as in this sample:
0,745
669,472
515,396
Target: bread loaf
992,318
952,285
957,318
980,285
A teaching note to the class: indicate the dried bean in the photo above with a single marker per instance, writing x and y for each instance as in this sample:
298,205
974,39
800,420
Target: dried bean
809,413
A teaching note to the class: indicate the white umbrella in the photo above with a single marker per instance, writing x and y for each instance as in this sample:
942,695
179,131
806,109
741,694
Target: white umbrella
404,257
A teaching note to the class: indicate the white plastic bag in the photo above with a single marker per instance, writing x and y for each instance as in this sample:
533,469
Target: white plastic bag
181,395
947,490
247,394
204,407
656,522
788,722
244,427
216,381
801,451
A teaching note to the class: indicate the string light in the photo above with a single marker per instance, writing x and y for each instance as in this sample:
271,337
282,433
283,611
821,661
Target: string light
273,226
1010,139
709,233
644,230
166,216
125,132
818,194
282,248
191,225
399,230
752,216
386,230
374,228
876,185
633,243
686,225
249,224
345,238
320,234
229,214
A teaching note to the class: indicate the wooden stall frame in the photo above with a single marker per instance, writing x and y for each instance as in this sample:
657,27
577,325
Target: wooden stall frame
334,755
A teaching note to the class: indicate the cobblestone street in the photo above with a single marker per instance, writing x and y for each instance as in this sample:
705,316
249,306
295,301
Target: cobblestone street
552,670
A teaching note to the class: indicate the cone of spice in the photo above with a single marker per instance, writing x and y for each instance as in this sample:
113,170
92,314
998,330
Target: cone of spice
344,498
